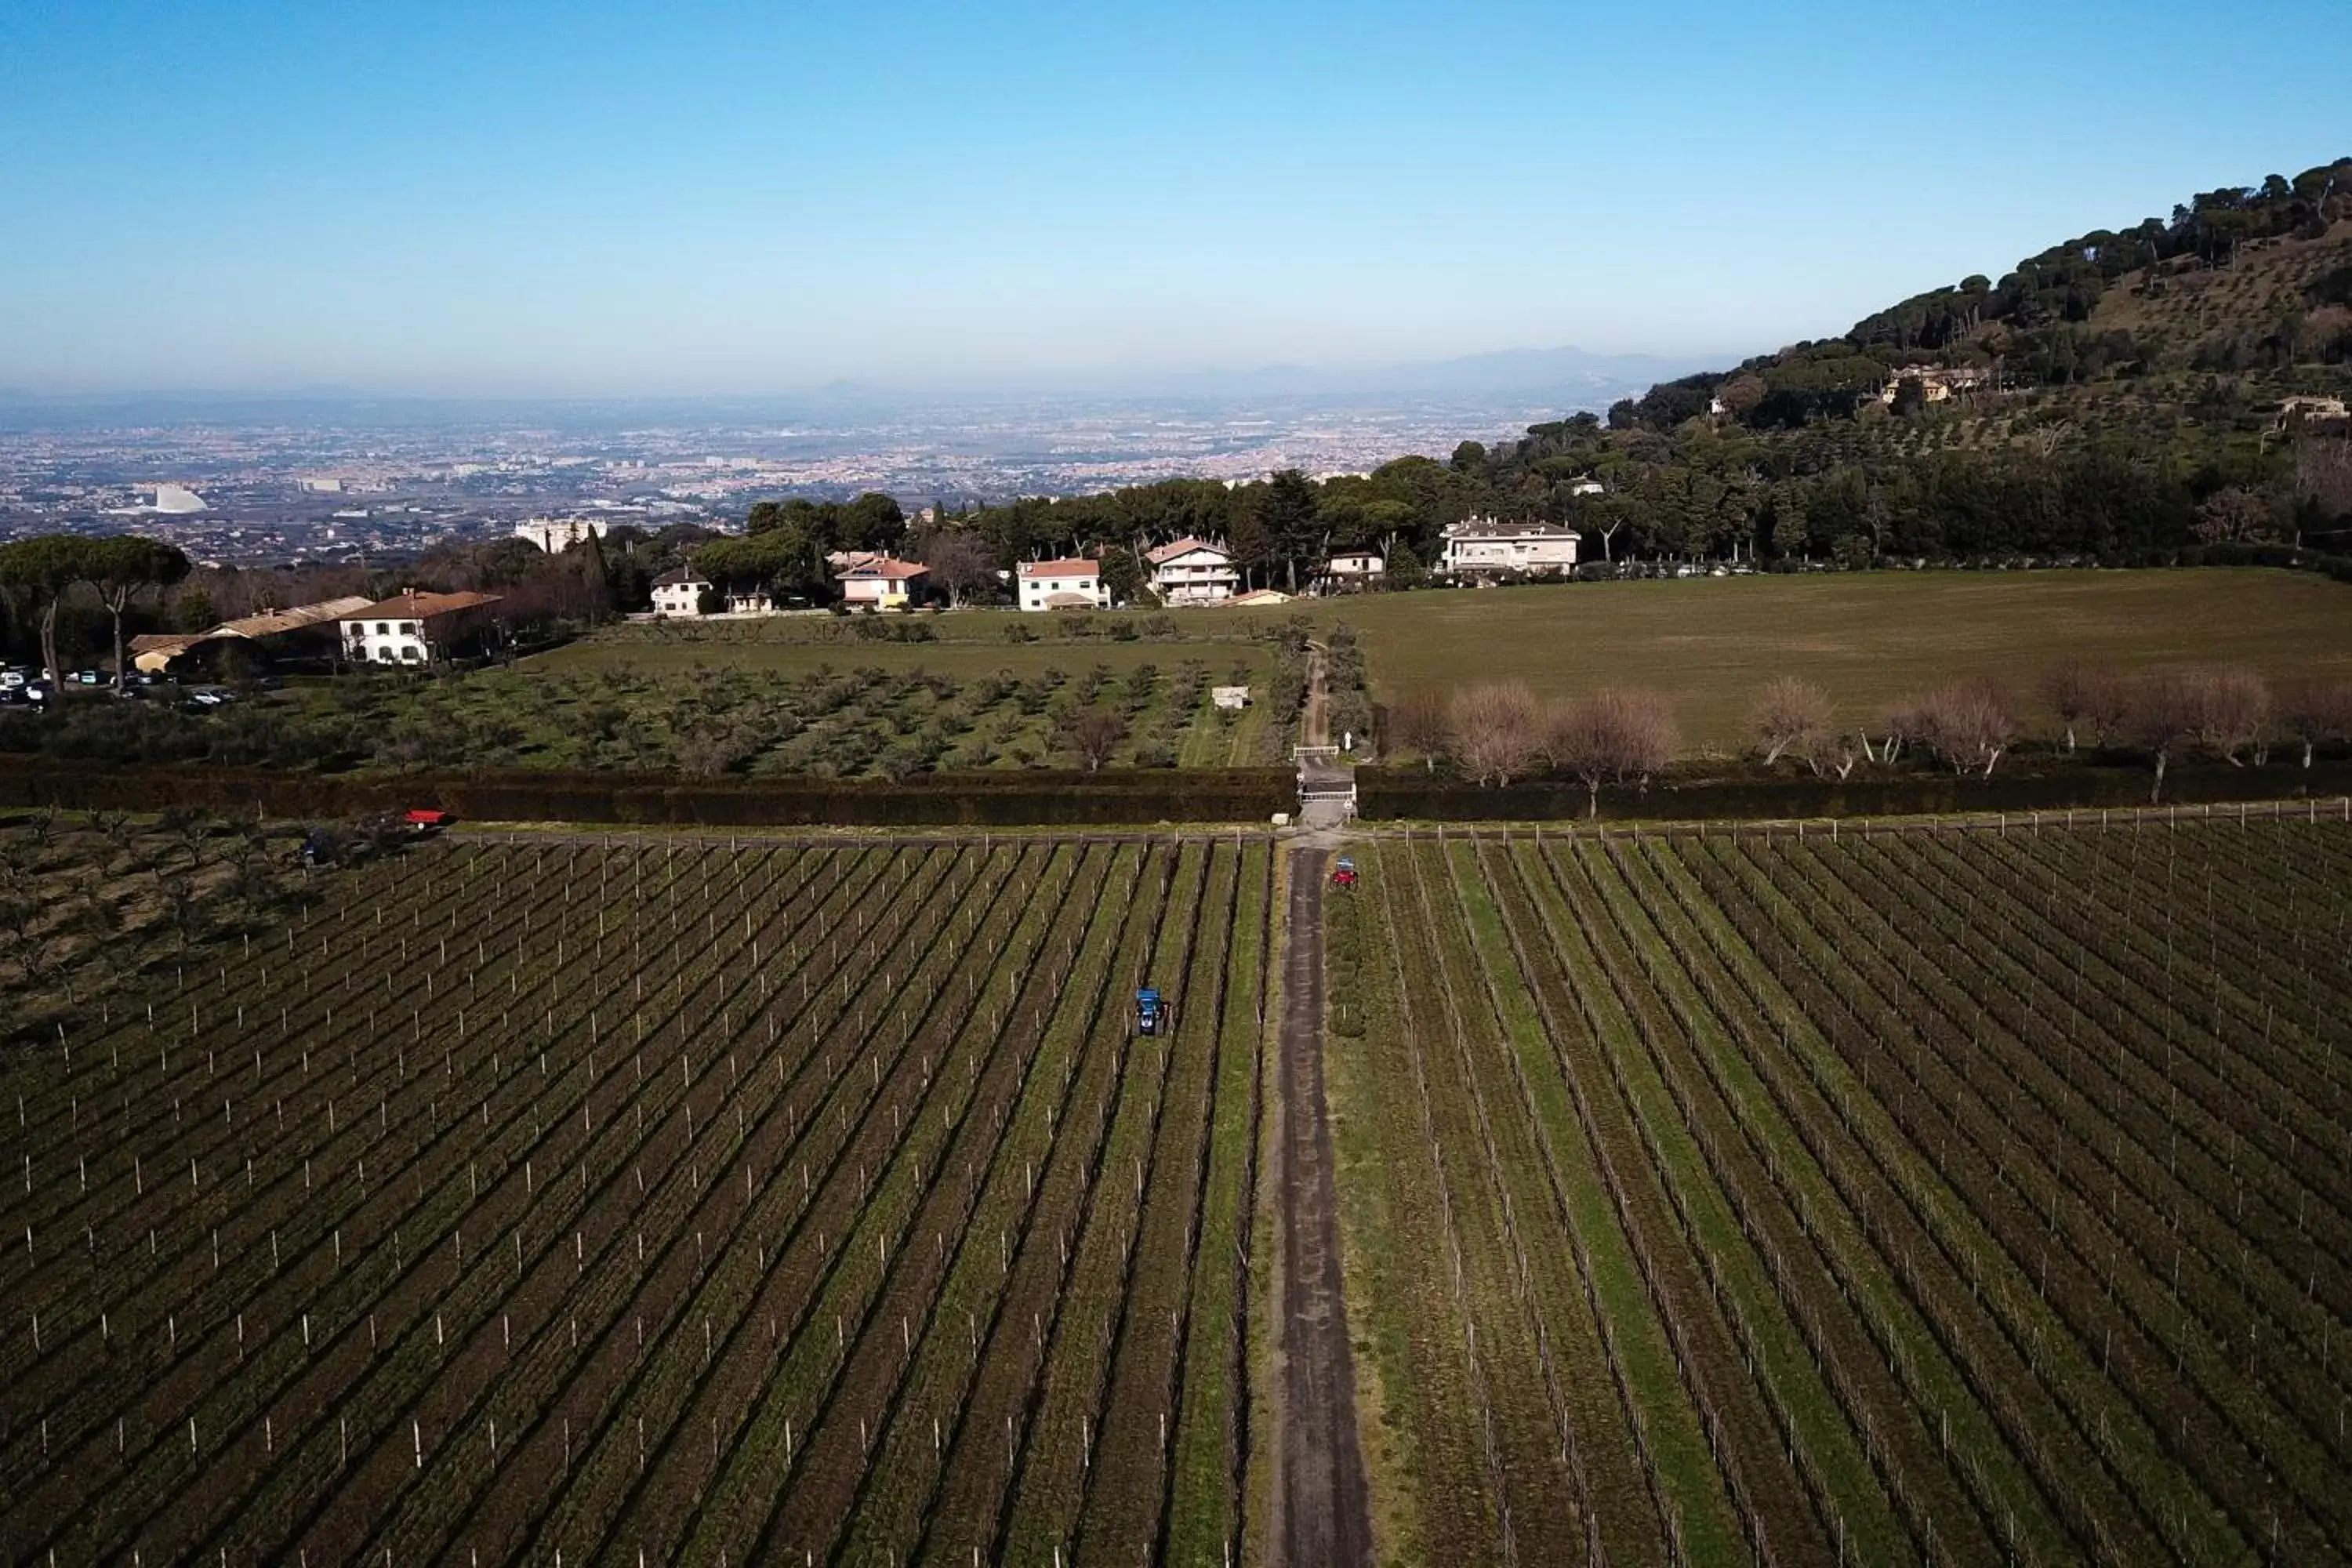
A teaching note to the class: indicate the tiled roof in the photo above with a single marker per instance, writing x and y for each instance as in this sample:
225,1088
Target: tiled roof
1184,546
1068,566
273,622
418,606
882,566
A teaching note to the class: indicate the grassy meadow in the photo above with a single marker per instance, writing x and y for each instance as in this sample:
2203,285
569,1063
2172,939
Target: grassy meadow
1867,639
1709,643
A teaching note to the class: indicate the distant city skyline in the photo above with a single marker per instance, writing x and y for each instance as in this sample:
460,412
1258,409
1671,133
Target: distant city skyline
622,200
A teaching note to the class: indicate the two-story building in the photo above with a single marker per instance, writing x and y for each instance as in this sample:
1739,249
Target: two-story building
1192,571
680,593
1482,546
414,629
881,582
1351,571
1070,584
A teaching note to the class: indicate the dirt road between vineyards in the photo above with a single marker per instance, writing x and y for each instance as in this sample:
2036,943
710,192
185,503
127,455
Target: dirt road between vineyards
1325,1513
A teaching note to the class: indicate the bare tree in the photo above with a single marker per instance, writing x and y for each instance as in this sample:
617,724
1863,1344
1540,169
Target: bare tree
1791,717
1418,721
1610,737
1093,733
2233,713
1494,732
2315,714
2166,710
1966,723
961,561
2323,475
2083,698
2236,516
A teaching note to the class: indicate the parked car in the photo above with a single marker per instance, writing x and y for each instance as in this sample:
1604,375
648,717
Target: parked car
13,677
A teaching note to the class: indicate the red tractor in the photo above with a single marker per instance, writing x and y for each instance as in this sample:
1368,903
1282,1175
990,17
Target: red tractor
1343,875
423,819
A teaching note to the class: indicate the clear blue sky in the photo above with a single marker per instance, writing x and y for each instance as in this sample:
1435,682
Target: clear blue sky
687,198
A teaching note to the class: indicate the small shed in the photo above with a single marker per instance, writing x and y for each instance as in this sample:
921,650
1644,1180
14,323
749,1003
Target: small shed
1230,696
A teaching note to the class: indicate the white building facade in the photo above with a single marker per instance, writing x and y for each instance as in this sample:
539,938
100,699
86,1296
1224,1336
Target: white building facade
1192,571
557,534
1360,569
408,628
679,594
1070,584
1482,546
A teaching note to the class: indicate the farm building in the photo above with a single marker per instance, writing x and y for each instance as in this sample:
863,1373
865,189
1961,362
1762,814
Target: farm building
1257,598
276,633
1065,584
414,628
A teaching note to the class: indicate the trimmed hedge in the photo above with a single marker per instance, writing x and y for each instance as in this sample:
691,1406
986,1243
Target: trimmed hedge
1414,794
985,799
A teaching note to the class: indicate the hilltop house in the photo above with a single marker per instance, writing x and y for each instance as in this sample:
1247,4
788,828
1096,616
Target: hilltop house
1938,383
1192,571
1069,583
412,627
1481,546
680,593
881,582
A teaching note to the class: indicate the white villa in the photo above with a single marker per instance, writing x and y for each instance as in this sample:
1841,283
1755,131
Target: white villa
410,627
557,534
1192,571
680,593
1070,584
1480,545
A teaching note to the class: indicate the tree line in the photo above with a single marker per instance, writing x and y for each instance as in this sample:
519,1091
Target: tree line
1495,733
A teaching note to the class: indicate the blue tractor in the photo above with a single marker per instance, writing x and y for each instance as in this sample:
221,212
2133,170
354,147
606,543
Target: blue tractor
1151,1013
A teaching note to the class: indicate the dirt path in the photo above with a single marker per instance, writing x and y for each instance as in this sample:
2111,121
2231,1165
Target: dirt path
1313,722
1324,1508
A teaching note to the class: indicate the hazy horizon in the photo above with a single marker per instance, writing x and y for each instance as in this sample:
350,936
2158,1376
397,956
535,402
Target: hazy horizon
548,201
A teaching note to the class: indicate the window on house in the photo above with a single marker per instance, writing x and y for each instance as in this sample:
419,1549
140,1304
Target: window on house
408,653
408,628
382,629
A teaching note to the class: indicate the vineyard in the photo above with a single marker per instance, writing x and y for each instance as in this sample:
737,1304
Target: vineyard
788,1202
1957,1197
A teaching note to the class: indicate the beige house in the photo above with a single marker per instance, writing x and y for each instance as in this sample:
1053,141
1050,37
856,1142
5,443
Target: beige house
881,582
1192,571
